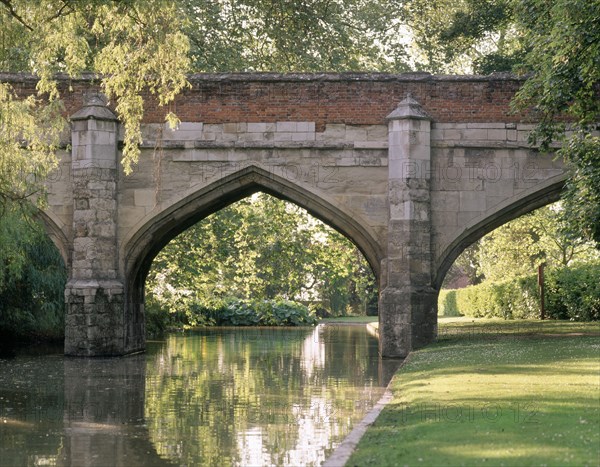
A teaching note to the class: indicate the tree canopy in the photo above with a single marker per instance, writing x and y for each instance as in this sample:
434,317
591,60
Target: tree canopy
284,36
563,43
262,248
133,45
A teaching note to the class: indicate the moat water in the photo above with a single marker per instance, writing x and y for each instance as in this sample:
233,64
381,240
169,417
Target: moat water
228,396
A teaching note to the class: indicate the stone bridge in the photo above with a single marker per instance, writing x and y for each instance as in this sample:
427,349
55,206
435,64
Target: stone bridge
411,168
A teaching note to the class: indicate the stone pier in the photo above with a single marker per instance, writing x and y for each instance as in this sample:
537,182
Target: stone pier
407,307
94,294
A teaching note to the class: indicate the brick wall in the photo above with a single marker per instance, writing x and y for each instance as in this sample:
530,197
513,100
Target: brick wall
357,99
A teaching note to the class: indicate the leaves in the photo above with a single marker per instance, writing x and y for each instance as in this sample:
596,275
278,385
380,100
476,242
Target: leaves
305,35
32,278
29,138
518,247
563,39
582,194
134,60
261,248
463,36
136,46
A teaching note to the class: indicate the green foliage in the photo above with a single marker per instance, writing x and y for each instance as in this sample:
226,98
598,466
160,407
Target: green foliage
32,279
135,45
463,36
481,300
447,305
261,248
305,35
557,43
279,312
563,39
571,293
518,247
511,299
582,194
29,138
574,294
229,312
564,42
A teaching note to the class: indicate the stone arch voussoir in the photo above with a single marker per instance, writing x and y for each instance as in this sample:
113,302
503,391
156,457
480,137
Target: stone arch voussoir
543,194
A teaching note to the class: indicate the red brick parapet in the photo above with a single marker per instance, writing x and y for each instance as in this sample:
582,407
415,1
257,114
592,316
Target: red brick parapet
350,98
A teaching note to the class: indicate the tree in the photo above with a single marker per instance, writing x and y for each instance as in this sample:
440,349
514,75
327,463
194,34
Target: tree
134,45
463,36
556,44
261,248
518,247
32,280
284,36
563,39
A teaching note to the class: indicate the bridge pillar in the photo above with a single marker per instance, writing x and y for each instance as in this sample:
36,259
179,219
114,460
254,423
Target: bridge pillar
94,295
407,304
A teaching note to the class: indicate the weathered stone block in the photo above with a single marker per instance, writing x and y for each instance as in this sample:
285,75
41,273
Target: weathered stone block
472,201
94,319
144,197
377,133
283,136
333,132
286,127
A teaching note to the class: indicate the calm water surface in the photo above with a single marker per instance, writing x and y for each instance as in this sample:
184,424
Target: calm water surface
230,396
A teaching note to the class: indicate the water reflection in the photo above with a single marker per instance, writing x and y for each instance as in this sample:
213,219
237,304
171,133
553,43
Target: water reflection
79,412
103,418
220,396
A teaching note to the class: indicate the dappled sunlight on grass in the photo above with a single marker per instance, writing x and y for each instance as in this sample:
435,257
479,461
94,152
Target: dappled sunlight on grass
475,399
459,326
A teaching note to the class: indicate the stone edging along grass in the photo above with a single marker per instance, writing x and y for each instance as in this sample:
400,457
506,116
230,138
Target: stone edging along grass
343,452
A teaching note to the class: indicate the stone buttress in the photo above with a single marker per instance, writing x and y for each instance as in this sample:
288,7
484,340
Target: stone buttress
407,305
95,321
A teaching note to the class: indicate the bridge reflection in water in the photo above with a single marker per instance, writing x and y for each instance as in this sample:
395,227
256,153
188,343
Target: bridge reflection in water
245,396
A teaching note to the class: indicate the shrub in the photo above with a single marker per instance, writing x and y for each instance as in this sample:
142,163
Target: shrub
574,293
277,312
516,298
32,281
447,303
228,312
571,293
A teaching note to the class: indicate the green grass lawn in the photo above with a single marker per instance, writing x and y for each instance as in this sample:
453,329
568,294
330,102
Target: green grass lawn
494,392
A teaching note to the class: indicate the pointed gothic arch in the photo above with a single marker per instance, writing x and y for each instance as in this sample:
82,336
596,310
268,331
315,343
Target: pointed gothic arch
549,192
158,228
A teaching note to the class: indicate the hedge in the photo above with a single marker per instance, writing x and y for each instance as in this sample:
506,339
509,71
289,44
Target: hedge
574,293
571,293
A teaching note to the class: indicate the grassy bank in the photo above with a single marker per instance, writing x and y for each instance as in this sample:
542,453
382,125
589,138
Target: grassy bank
494,393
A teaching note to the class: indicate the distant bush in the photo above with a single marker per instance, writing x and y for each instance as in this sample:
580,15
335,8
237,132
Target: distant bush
277,312
517,298
228,312
447,303
574,293
571,293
